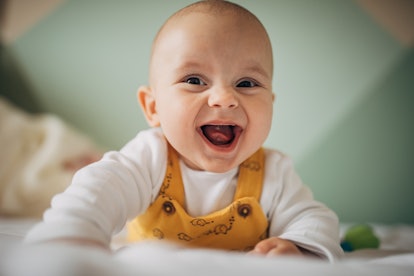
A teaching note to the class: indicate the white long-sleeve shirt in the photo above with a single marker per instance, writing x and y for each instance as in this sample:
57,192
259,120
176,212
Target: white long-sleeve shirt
105,195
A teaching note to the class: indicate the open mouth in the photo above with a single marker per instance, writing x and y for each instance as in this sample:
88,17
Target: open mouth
221,135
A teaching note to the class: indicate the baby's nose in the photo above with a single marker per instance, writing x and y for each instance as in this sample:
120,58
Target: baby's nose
224,98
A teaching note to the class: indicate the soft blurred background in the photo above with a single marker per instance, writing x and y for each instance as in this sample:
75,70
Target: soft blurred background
344,79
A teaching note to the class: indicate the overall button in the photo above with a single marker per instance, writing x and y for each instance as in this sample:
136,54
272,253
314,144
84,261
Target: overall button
244,210
168,207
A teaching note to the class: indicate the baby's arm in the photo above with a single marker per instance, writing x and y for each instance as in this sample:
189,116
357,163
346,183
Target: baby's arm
94,207
105,194
296,217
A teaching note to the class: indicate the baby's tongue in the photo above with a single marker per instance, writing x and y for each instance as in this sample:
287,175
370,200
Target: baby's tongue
218,134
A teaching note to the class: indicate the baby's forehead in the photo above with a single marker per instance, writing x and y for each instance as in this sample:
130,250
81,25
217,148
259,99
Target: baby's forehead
227,18
218,26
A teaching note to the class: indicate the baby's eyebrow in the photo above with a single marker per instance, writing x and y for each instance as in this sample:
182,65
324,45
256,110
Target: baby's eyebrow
189,65
258,69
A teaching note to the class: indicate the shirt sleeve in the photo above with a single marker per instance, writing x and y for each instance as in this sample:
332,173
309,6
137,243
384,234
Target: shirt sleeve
296,216
105,194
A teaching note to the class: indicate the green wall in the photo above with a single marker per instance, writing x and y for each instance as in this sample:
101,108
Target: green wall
342,83
363,167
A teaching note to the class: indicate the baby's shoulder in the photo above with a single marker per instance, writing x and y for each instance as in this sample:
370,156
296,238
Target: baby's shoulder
277,157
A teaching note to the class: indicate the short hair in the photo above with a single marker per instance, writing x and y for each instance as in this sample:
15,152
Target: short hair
215,7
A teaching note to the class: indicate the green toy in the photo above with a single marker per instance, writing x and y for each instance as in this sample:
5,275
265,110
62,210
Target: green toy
359,237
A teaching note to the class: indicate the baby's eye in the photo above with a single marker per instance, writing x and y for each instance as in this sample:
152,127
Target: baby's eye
246,83
194,81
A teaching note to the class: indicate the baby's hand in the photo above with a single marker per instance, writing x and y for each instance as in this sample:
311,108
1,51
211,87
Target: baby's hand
274,246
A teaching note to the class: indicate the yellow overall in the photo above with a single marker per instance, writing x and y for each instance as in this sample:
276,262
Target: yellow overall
238,226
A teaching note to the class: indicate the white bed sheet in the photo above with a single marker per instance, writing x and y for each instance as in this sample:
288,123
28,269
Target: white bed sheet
395,257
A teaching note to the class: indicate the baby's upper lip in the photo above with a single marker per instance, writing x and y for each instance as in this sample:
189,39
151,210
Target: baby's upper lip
221,123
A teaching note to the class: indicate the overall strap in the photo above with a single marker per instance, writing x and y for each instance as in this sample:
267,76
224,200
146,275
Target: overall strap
173,175
251,176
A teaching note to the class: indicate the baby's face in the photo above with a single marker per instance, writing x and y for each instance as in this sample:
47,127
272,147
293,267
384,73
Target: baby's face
211,78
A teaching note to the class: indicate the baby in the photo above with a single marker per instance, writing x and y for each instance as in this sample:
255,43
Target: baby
200,176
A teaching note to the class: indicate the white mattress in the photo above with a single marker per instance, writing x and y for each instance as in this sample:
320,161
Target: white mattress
394,257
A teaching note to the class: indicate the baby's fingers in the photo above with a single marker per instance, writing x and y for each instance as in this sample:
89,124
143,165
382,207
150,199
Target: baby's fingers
275,246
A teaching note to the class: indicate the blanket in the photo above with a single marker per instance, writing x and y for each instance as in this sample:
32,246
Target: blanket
39,155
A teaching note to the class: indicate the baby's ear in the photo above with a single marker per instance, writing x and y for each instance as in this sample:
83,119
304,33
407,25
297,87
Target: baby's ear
147,101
